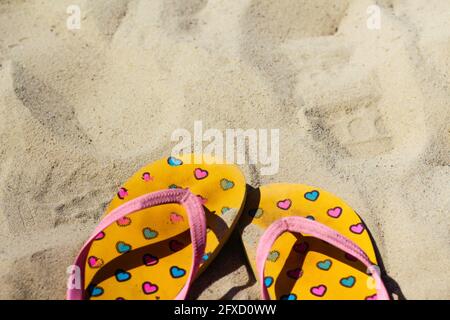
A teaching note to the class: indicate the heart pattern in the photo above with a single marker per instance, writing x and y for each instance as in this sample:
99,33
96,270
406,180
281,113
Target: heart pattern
226,184
284,204
122,193
319,291
357,228
127,274
175,217
123,222
149,233
174,162
122,247
313,205
146,176
348,282
96,291
200,174
177,272
95,262
149,287
324,265
335,212
150,260
122,275
268,281
312,195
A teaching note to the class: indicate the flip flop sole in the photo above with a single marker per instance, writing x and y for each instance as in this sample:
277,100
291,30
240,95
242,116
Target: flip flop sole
148,254
300,266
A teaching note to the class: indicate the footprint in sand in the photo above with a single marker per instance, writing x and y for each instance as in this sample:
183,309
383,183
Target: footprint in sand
45,180
341,93
354,128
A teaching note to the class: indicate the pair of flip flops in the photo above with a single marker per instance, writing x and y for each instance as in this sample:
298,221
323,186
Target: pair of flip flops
171,218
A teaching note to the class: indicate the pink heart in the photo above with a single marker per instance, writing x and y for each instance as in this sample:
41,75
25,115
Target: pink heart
284,204
122,193
295,273
357,228
319,291
335,212
147,177
150,260
95,262
372,297
174,217
149,287
100,236
301,247
124,221
200,174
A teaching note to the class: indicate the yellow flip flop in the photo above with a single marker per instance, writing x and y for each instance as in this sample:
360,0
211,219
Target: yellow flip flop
153,241
304,243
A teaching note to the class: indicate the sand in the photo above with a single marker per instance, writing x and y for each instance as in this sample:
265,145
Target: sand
362,113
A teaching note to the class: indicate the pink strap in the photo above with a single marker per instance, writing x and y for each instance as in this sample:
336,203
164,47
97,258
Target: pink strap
197,224
305,226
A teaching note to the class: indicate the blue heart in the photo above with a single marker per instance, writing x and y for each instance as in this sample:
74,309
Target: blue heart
226,184
122,275
149,233
268,281
289,297
312,196
96,291
177,272
122,247
324,265
174,162
310,218
348,282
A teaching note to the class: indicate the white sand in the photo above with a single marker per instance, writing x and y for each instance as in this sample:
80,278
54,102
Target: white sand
362,113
